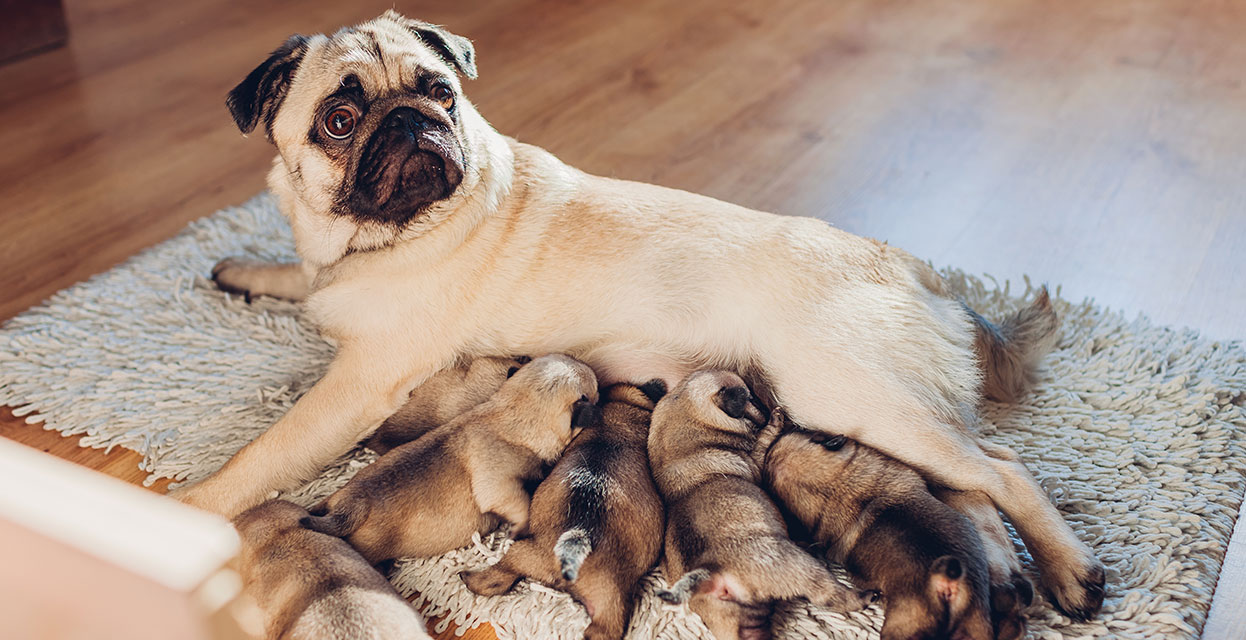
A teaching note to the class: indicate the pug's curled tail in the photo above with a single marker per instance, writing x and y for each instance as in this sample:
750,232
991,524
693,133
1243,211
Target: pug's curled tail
340,521
588,485
572,548
1009,351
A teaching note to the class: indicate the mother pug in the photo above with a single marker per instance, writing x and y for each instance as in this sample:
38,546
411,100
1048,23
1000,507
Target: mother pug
426,237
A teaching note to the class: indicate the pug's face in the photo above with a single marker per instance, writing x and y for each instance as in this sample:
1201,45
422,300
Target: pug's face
369,121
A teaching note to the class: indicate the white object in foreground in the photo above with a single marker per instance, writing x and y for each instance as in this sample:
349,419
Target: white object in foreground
88,556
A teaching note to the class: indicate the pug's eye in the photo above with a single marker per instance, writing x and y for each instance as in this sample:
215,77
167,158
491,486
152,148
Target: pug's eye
340,122
444,96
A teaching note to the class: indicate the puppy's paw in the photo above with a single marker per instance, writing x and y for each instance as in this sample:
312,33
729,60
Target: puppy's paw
204,495
1008,601
489,582
1078,590
234,275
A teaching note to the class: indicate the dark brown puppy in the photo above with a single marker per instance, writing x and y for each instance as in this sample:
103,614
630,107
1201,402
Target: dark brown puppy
597,520
725,539
441,399
428,497
311,586
876,516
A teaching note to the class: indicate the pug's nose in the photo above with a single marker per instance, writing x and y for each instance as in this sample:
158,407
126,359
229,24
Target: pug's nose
406,119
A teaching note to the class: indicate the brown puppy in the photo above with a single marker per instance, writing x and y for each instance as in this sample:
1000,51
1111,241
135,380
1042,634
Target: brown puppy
597,520
876,516
725,539
315,587
443,398
428,497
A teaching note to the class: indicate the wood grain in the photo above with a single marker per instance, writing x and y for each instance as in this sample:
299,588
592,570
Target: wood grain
1094,146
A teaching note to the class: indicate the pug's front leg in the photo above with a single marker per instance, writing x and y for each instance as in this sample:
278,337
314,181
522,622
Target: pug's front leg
352,399
286,280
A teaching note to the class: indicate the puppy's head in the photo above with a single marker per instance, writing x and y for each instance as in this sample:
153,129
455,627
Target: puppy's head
717,400
370,122
799,457
707,410
728,619
559,384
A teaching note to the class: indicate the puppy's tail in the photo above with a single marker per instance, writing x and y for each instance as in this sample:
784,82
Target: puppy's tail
340,521
587,489
685,586
1009,352
572,548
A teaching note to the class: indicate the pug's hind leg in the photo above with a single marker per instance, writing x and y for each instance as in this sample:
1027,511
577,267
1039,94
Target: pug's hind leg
607,606
523,560
721,617
792,573
286,280
1011,591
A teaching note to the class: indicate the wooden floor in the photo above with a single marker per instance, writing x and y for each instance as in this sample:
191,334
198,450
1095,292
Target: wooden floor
1100,147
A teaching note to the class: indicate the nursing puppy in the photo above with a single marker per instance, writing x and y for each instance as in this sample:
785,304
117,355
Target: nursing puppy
429,496
725,539
316,587
876,517
597,520
427,237
442,398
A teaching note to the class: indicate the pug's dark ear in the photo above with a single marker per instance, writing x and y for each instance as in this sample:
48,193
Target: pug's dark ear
583,413
262,92
733,401
654,389
457,51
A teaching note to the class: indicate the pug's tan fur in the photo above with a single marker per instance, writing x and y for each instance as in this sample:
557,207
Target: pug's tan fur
528,255
442,398
429,496
597,520
725,540
311,586
876,517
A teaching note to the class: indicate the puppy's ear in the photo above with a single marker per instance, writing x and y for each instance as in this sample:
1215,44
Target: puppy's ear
733,401
261,93
583,413
831,442
654,389
457,51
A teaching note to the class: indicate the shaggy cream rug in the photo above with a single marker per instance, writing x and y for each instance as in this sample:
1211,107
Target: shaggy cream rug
1135,431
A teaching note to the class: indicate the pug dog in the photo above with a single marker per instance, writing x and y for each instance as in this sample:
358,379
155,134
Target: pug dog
311,586
877,518
429,496
426,238
442,398
597,520
725,539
